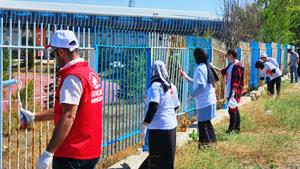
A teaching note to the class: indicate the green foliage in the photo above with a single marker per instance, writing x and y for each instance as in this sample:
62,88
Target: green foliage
267,140
286,110
133,77
189,157
208,34
5,64
194,135
296,24
30,59
278,20
30,95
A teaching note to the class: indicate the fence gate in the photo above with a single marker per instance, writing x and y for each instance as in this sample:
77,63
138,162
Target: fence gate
123,75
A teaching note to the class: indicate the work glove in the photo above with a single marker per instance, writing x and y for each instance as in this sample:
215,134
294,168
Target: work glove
232,103
44,160
26,116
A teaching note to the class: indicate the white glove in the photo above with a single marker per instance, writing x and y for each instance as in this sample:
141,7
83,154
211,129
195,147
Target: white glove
232,103
143,130
26,116
44,160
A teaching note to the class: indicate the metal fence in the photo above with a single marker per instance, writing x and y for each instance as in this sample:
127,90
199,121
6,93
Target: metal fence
121,56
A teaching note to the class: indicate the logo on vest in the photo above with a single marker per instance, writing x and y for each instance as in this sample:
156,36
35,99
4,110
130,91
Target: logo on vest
94,80
97,93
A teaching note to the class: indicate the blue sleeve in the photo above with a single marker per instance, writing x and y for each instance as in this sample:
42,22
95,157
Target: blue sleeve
198,90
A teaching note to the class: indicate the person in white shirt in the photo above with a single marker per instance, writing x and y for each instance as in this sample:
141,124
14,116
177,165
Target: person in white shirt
267,69
162,102
294,60
264,57
204,94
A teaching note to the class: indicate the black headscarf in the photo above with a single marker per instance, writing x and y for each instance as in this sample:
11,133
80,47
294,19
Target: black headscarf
200,56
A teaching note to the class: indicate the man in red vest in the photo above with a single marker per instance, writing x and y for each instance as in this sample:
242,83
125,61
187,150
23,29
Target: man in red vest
77,136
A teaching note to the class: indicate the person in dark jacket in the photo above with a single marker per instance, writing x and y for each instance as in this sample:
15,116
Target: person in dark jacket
234,73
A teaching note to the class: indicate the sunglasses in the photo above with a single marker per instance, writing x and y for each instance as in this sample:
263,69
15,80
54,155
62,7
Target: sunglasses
53,52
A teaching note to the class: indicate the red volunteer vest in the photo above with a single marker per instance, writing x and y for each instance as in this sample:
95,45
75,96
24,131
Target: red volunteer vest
85,137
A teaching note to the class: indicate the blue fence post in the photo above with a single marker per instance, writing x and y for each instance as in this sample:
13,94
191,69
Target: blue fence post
148,66
145,146
285,58
255,53
96,59
279,54
269,49
185,83
239,50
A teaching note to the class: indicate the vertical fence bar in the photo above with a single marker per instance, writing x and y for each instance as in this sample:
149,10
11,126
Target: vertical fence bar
9,96
131,87
34,94
124,90
48,82
118,110
19,78
255,53
26,93
41,86
113,104
1,89
126,57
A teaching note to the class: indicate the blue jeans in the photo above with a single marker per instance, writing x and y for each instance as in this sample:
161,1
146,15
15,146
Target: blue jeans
293,71
70,163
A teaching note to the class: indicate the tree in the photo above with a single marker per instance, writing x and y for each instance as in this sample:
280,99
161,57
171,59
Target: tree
241,22
278,20
296,25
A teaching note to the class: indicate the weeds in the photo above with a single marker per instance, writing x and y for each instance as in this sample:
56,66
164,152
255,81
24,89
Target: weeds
269,137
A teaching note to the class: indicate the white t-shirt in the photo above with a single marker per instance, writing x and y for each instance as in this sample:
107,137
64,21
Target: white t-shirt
71,89
273,61
266,71
208,97
165,117
228,80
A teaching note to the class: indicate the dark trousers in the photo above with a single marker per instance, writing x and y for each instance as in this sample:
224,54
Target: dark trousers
206,132
294,73
235,120
271,84
70,163
162,147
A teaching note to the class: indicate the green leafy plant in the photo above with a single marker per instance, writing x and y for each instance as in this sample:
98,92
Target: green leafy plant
194,135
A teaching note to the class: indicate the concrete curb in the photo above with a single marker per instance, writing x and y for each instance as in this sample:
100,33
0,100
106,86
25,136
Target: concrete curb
134,161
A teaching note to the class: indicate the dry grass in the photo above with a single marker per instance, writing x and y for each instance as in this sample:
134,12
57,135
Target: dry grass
269,138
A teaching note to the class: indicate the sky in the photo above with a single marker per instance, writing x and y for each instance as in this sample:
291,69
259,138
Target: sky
211,6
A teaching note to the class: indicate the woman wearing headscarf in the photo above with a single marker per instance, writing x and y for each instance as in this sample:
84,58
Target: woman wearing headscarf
204,94
160,120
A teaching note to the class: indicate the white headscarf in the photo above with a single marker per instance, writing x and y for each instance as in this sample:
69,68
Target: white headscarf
158,69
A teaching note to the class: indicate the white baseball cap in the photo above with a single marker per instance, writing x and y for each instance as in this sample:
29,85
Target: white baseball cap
64,39
263,55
